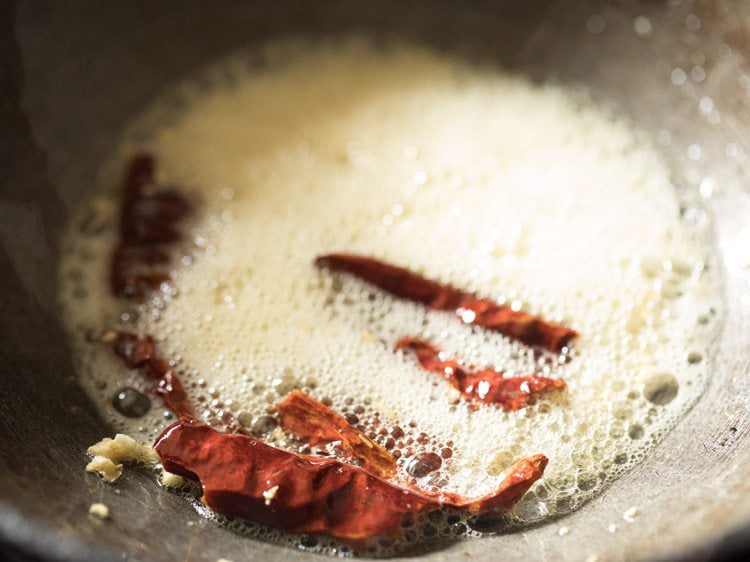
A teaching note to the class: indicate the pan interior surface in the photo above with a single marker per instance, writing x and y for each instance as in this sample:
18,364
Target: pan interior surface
677,73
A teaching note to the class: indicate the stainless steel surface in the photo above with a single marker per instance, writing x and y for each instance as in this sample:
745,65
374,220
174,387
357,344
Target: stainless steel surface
74,73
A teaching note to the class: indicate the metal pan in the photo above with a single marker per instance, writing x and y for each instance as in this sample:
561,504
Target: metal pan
74,74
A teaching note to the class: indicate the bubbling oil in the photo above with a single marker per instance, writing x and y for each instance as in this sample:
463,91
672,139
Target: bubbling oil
532,195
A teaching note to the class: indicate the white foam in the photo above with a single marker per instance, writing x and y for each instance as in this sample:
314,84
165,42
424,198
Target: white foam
527,194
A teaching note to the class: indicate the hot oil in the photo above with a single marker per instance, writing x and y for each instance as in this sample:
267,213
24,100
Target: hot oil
530,195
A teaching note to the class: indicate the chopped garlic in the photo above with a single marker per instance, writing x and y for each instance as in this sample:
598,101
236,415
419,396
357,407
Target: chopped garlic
105,468
270,494
109,454
100,510
631,514
109,336
124,448
172,480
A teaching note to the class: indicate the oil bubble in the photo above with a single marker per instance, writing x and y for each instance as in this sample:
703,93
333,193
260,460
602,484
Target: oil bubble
423,464
661,389
131,403
635,432
262,425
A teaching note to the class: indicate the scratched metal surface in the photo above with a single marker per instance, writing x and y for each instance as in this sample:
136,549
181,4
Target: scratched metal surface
73,73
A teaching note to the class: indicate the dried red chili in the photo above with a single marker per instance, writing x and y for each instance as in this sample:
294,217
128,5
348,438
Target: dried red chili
244,477
139,352
148,225
305,494
316,424
402,283
485,386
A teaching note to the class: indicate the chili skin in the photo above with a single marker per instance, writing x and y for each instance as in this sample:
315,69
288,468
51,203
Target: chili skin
316,424
243,477
139,352
405,284
484,386
148,225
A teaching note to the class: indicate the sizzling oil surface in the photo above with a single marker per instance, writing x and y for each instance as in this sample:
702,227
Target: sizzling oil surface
528,194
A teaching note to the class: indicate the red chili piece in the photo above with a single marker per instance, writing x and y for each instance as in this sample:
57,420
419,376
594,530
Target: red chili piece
305,494
485,386
402,283
148,225
139,352
316,424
